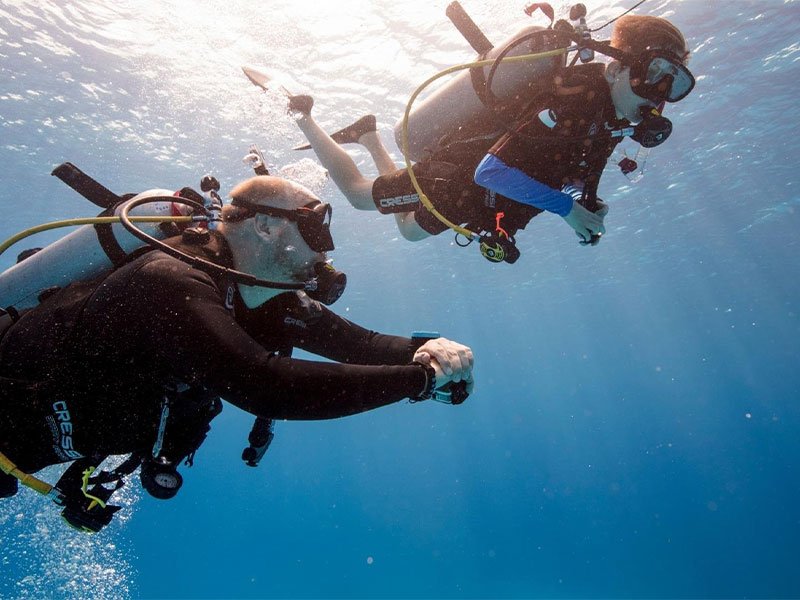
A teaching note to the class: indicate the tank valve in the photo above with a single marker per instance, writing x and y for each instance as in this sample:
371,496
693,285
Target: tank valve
210,186
578,13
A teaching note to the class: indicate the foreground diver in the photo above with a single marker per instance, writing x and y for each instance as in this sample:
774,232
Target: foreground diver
136,361
543,152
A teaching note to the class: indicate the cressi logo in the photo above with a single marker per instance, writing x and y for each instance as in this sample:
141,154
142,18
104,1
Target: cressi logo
399,200
295,322
64,447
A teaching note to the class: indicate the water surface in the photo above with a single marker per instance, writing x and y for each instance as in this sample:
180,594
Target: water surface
634,427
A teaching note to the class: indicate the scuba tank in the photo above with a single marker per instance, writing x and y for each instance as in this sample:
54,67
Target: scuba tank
93,249
464,98
81,255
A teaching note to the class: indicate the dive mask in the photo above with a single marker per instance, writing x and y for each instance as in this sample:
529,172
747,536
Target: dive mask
313,221
660,76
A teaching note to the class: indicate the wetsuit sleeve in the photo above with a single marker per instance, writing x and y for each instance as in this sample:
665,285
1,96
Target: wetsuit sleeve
295,320
341,340
325,333
192,329
494,174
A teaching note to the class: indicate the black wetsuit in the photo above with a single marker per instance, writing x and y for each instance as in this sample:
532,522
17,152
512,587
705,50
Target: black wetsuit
85,371
575,149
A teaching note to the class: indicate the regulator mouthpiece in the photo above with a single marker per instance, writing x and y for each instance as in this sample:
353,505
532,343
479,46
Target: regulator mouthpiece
330,283
653,130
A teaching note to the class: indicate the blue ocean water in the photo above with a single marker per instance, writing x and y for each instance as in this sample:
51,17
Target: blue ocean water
634,427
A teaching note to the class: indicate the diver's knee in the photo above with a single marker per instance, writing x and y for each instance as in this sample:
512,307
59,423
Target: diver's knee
359,194
409,228
414,236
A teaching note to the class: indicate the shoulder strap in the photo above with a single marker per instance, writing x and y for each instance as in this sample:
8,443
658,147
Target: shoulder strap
7,319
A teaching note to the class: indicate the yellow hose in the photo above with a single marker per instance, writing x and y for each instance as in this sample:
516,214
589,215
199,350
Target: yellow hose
84,221
6,465
30,481
480,63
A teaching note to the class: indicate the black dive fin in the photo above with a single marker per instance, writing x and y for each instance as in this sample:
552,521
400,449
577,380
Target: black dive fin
350,134
86,186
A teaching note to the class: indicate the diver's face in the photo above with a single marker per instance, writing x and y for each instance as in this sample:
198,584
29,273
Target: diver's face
626,103
273,249
284,245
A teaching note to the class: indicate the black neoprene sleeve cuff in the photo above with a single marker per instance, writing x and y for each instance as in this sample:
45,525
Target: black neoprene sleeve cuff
430,382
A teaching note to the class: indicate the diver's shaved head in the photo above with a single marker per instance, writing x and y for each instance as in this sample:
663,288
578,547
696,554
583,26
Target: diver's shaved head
273,191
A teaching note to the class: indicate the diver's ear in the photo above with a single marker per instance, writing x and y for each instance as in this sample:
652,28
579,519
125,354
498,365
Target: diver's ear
613,70
262,226
268,228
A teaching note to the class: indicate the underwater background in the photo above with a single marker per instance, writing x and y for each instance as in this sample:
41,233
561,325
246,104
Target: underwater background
634,428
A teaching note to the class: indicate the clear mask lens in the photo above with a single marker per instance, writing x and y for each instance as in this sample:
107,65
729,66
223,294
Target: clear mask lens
313,222
668,79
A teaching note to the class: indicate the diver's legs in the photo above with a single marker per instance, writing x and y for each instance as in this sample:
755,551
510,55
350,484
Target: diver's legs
344,172
363,131
372,142
409,228
406,222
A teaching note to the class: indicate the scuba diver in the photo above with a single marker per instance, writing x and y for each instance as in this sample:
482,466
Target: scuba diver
136,360
539,147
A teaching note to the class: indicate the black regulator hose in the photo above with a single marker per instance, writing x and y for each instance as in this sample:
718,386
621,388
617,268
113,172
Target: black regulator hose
491,99
195,261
